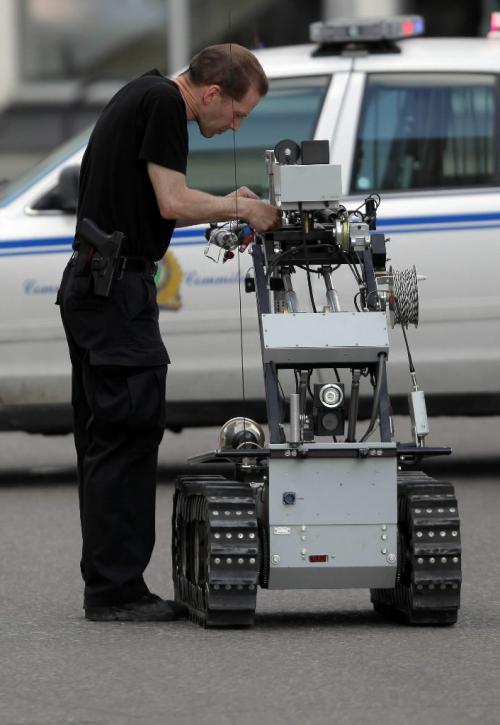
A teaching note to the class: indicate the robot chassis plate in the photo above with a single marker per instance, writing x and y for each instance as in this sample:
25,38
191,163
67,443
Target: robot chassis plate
303,513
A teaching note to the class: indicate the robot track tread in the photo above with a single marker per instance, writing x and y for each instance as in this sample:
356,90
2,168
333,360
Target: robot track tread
429,576
215,550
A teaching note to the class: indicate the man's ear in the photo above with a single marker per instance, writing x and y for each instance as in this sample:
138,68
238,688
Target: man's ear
210,94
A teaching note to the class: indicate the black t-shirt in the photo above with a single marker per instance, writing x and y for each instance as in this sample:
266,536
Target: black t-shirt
145,121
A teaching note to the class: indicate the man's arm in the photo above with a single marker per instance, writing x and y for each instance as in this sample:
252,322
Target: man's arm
190,206
242,191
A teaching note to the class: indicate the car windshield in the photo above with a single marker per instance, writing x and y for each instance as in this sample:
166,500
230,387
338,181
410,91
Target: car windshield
12,189
289,110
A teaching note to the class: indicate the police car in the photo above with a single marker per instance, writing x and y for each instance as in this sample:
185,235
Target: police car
412,118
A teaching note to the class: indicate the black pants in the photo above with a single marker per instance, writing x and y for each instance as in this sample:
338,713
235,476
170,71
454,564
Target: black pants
118,394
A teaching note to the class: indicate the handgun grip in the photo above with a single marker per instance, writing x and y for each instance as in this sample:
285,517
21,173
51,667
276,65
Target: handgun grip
108,245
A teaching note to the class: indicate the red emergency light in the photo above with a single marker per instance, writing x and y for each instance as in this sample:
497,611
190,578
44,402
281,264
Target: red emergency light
408,27
318,558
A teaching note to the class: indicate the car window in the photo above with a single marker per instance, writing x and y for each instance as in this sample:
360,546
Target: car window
289,110
425,132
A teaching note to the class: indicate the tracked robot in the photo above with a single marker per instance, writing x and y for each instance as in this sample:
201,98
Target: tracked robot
324,504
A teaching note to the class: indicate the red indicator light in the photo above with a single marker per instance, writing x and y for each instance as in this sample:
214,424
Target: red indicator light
495,22
407,27
315,558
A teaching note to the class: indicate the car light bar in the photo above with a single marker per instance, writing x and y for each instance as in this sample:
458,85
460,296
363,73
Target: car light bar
366,30
494,25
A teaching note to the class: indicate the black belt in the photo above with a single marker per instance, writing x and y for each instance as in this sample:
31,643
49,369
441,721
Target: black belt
137,264
129,264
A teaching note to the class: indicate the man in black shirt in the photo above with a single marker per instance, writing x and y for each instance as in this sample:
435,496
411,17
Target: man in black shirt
132,180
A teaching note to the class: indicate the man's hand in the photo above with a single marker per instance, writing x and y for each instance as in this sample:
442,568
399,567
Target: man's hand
243,192
260,215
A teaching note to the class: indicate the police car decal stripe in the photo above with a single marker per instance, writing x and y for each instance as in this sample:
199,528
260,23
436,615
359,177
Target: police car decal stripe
34,252
51,242
188,236
17,247
422,230
194,237
448,219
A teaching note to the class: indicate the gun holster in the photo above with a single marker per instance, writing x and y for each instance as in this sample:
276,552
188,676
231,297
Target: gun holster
99,252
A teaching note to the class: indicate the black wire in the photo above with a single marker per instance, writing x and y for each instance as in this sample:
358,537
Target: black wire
315,270
367,298
353,269
410,359
358,294
309,285
275,261
376,395
292,250
360,261
240,302
309,384
297,380
281,389
374,196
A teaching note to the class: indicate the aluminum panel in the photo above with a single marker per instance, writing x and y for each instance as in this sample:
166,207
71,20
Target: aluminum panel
308,183
319,338
333,491
345,511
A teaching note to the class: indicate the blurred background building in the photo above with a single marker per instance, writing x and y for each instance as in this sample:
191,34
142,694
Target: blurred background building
61,60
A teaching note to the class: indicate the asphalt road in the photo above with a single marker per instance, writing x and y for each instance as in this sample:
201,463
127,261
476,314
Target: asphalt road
313,657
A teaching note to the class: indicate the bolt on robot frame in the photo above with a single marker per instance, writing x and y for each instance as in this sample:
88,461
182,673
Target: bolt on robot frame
322,505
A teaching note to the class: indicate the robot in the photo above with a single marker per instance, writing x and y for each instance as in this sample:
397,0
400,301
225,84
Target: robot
322,504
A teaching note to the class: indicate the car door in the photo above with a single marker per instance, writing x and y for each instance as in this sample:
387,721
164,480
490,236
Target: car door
428,143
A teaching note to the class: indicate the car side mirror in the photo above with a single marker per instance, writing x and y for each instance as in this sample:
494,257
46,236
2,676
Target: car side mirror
64,196
68,188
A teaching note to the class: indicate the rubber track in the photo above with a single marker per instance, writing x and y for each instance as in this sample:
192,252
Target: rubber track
429,575
215,550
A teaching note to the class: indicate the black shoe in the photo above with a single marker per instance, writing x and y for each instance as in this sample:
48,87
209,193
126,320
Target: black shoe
150,608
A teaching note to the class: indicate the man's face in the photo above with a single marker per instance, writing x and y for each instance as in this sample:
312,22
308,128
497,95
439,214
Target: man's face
220,113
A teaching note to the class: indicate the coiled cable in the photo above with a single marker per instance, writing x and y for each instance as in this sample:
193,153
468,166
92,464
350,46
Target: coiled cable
404,294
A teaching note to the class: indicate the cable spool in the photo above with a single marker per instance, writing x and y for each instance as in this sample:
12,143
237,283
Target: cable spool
403,297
